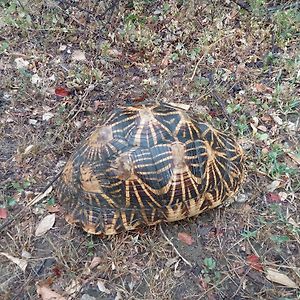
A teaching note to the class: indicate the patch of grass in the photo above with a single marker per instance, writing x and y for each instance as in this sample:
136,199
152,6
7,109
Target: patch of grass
15,15
286,24
258,6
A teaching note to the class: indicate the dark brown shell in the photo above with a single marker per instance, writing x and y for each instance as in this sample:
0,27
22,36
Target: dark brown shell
146,164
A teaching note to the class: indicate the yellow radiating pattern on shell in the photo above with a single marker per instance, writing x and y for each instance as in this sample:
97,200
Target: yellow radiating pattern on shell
146,164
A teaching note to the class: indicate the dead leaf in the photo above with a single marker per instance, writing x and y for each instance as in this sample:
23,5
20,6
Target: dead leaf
165,61
254,124
28,149
178,273
53,208
25,254
36,79
266,118
277,119
21,63
32,121
278,277
254,262
118,296
95,262
114,53
3,213
102,288
47,116
171,261
262,88
274,185
22,263
78,55
62,48
186,238
273,198
262,128
47,294
45,224
74,287
283,196
62,91
78,124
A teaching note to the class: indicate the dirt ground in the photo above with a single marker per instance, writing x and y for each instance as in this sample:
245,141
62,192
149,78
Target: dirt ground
65,64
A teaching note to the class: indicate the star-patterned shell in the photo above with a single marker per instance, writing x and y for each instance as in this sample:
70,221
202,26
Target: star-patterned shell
148,163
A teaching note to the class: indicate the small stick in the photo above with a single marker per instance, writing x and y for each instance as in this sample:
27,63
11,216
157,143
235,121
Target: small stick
272,51
32,202
219,100
221,103
205,54
173,246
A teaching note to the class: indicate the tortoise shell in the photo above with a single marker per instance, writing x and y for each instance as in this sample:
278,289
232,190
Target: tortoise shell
146,164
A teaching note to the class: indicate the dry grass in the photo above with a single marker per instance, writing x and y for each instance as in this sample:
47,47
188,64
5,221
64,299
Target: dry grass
174,51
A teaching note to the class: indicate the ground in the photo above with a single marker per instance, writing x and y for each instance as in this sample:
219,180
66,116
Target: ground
65,64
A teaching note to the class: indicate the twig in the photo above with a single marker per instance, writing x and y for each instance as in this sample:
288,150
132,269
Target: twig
272,50
213,287
219,100
173,246
32,202
221,103
197,64
206,52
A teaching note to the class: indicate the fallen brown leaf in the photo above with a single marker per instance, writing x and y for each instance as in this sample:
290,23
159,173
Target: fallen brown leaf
274,184
3,213
47,294
78,55
95,262
262,88
73,287
254,262
262,128
22,263
278,277
102,288
186,238
61,91
115,53
53,208
45,224
165,61
273,198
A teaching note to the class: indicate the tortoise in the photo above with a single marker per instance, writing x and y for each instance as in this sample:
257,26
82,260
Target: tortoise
148,163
